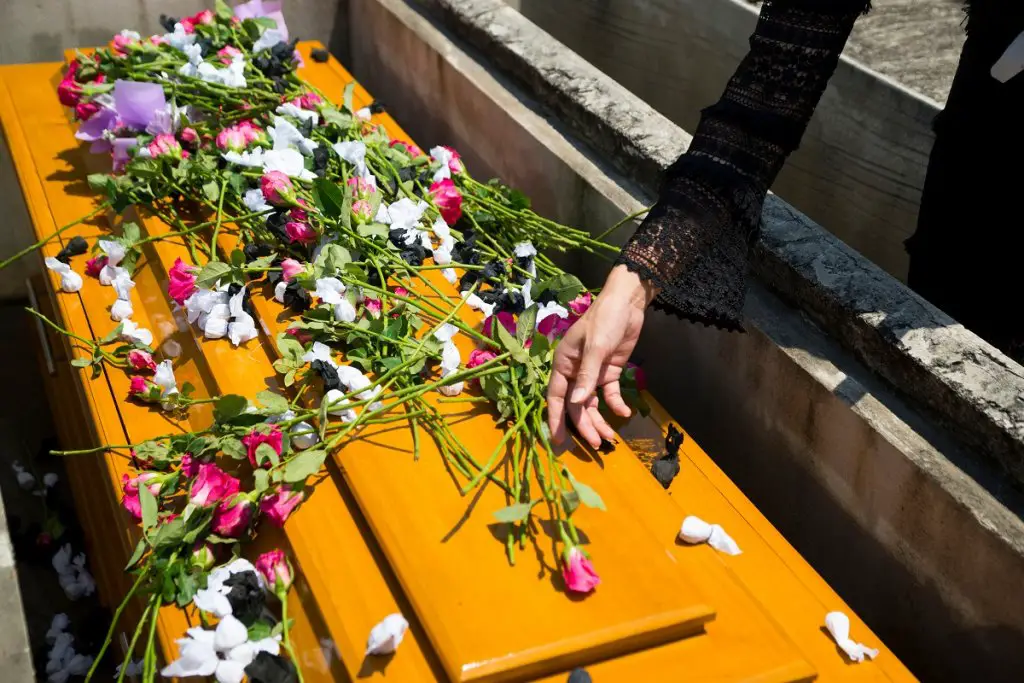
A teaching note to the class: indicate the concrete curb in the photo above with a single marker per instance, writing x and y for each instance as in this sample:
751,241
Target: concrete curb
15,652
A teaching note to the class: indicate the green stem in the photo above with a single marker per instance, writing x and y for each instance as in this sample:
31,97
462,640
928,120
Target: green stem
41,243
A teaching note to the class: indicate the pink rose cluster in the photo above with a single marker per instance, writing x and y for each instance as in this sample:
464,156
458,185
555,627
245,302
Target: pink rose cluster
238,137
69,91
181,282
448,200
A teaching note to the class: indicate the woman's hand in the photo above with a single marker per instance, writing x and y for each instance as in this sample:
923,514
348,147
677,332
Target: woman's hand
594,353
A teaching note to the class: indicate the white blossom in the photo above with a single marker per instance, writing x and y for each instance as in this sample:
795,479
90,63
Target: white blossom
26,480
269,39
444,156
354,152
289,109
50,480
286,136
242,327
279,291
72,575
179,39
213,599
364,114
58,625
344,311
329,290
303,436
336,401
70,281
62,661
250,159
320,351
287,161
387,635
131,332
115,253
445,332
223,652
255,201
478,304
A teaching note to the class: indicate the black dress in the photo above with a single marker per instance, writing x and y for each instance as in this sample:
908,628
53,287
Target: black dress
966,251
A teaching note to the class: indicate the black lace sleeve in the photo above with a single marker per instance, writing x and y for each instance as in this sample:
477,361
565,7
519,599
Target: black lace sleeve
693,245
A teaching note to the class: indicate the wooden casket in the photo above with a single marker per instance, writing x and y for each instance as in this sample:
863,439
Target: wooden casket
383,532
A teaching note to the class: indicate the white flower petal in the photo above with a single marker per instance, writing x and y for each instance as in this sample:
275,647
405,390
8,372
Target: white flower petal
303,436
344,311
279,291
230,632
387,635
121,309
229,671
329,290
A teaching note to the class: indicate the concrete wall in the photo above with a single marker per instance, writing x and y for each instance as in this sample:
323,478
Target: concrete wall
864,485
861,166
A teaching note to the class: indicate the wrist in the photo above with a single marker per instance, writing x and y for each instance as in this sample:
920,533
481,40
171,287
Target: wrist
622,282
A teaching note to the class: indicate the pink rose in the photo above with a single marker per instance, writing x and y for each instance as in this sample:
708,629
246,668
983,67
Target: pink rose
130,487
578,572
181,283
362,211
94,265
479,357
139,386
412,150
580,304
121,44
455,163
277,188
279,505
232,517
373,306
212,485
189,136
232,139
448,200
639,376
554,327
227,53
506,319
302,233
252,132
85,110
290,268
189,465
253,439
400,291
69,92
301,336
276,571
361,189
310,101
141,360
165,145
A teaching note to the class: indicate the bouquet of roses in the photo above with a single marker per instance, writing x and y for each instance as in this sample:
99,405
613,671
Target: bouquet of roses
383,253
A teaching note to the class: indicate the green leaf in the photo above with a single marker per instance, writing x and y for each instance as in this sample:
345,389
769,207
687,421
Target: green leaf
264,22
334,117
144,168
113,334
170,534
260,630
186,589
347,97
140,549
233,448
211,189
304,465
570,501
149,507
266,453
372,230
588,496
518,200
81,362
229,406
130,234
237,258
328,197
99,182
332,258
519,354
223,10
261,480
565,287
515,513
541,345
290,348
526,324
211,272
238,183
274,404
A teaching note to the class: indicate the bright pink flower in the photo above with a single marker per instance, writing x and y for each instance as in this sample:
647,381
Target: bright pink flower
639,376
190,465
232,517
232,139
204,17
479,357
189,136
94,265
139,386
253,439
141,360
301,335
507,320
212,485
227,52
290,268
400,291
130,487
69,91
302,233
578,572
181,283
276,571
373,306
361,188
121,44
277,188
252,132
554,327
85,110
310,101
455,163
448,200
157,40
407,147
279,505
362,211
580,304
165,145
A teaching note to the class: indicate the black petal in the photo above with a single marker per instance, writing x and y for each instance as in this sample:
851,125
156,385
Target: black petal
320,55
512,302
414,255
268,668
673,440
76,246
320,159
468,279
328,374
547,296
274,276
296,298
255,251
168,23
376,107
493,270
276,222
665,470
579,675
246,596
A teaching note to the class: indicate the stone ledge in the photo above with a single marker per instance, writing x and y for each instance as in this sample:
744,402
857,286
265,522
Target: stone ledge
970,386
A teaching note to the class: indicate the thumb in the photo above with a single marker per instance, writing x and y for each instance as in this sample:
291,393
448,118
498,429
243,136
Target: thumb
590,370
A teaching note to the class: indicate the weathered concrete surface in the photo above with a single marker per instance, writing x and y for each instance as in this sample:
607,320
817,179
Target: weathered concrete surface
15,654
861,165
866,486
